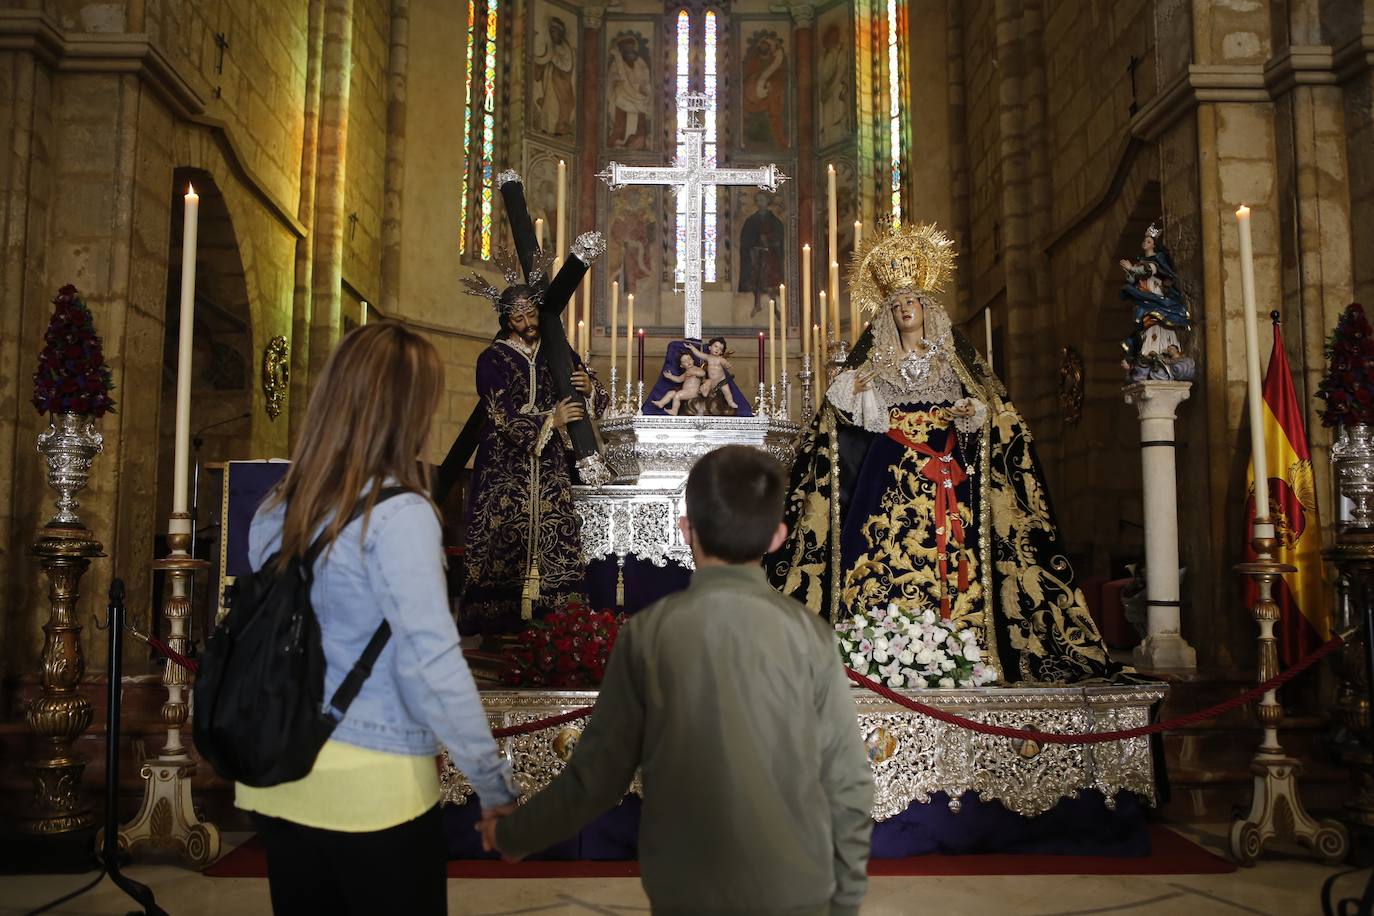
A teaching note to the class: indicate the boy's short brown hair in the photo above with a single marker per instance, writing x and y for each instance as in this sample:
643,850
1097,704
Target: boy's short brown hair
735,500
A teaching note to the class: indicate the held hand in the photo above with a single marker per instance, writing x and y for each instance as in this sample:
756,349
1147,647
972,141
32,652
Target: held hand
566,411
581,382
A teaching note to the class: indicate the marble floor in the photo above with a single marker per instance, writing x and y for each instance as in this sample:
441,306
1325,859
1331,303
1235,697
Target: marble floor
1278,886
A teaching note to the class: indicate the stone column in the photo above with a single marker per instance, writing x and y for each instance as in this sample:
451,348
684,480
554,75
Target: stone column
398,65
305,246
1163,648
326,300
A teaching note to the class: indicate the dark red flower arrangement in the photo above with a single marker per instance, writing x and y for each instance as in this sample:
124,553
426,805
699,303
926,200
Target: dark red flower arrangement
72,376
1348,386
567,648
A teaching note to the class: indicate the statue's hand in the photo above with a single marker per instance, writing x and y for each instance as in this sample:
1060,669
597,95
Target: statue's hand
581,382
863,379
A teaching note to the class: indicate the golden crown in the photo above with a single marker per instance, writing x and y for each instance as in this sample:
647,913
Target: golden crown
899,257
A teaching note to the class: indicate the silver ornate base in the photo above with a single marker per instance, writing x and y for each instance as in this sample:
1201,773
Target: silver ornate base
913,757
636,515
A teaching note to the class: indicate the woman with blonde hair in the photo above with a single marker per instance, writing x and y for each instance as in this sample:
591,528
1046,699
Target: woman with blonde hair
361,833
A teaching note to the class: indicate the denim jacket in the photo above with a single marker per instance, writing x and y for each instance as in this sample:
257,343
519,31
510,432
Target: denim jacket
421,691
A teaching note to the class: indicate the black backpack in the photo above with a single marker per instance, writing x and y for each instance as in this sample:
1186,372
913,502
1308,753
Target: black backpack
260,717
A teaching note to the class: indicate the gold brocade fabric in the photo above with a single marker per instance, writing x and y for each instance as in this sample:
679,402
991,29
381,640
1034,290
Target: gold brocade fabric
1039,628
899,561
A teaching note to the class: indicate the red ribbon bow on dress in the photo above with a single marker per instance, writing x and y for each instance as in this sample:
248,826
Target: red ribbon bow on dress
943,470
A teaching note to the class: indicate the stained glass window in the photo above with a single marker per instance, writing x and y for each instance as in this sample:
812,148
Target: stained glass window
467,131
894,113
488,126
710,85
684,75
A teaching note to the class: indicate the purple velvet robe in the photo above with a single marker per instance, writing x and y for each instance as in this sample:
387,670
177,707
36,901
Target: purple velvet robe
513,540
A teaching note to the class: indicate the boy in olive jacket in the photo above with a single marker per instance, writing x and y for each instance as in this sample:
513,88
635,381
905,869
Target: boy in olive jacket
732,700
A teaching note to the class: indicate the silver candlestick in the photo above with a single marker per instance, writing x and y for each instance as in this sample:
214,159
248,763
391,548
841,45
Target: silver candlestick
805,378
773,410
762,400
786,397
614,408
638,406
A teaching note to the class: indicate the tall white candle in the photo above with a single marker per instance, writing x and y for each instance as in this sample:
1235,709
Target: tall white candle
615,317
806,298
539,231
1252,375
832,216
587,313
560,221
772,342
182,451
581,337
782,329
858,233
835,299
362,314
629,338
823,313
987,332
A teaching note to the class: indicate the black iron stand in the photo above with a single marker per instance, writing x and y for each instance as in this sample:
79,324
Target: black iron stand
109,851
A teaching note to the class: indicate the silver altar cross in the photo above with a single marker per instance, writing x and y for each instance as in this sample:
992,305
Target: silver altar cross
691,175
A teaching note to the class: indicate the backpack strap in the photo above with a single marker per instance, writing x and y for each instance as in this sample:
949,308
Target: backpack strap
361,671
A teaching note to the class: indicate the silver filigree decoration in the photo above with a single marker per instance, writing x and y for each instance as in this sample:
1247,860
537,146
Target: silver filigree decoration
593,471
589,246
507,176
912,757
69,445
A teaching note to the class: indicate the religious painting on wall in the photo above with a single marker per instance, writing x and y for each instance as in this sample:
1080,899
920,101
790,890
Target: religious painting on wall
541,189
634,250
762,246
631,96
553,63
834,76
765,82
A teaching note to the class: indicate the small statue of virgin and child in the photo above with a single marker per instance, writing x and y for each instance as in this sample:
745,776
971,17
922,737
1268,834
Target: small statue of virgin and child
1156,349
697,380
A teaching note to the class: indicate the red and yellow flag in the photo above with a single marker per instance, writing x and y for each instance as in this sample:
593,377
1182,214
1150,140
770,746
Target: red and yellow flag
1301,596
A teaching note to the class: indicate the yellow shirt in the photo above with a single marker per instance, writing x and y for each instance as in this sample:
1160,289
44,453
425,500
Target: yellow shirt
351,789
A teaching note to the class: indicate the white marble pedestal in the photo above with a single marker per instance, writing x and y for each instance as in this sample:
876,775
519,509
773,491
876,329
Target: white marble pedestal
1164,648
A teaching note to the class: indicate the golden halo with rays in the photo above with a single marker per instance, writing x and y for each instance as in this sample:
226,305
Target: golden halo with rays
915,256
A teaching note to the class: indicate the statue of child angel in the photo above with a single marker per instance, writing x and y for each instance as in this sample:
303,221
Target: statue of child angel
689,378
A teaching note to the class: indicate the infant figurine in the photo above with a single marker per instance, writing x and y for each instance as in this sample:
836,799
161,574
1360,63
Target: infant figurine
690,378
717,370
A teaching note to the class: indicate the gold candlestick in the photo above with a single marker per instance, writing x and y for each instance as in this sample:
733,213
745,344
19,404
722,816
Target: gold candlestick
61,713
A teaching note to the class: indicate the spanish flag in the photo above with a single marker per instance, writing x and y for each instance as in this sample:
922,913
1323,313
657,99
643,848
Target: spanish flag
1306,615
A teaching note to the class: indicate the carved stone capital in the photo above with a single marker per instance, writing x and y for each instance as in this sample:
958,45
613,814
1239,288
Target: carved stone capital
803,12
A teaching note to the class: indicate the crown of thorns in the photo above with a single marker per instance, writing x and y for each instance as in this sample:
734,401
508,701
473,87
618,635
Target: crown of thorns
509,265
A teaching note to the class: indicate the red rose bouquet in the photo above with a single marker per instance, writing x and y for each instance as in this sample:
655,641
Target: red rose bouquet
72,376
1348,386
568,648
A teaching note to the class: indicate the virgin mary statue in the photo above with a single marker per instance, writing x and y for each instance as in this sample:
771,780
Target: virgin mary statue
916,488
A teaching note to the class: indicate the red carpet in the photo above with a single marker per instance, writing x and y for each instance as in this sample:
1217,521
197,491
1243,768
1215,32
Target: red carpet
1171,854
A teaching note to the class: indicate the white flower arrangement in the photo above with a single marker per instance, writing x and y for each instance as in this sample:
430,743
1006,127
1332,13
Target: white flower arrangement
912,649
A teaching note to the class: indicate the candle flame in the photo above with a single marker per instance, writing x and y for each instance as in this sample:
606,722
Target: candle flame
1242,212
830,167
190,189
806,247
